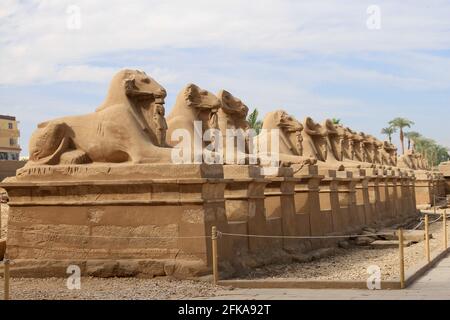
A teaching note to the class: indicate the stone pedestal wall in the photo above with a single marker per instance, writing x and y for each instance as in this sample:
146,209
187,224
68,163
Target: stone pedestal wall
132,221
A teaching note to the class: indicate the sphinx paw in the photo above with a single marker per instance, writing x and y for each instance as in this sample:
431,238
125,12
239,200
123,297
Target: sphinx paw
74,157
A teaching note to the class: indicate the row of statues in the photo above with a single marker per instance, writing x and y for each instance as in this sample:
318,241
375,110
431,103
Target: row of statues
131,126
413,160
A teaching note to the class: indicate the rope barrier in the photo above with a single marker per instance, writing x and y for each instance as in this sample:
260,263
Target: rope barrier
303,237
417,226
436,220
421,222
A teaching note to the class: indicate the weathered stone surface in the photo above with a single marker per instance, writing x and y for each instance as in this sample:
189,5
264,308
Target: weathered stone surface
2,248
128,126
390,243
4,208
363,241
344,244
101,190
321,253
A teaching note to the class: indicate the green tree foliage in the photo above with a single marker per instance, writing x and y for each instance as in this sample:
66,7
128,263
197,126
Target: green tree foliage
255,124
389,131
401,123
336,121
431,151
412,136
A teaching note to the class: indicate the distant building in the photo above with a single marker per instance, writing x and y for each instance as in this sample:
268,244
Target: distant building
9,138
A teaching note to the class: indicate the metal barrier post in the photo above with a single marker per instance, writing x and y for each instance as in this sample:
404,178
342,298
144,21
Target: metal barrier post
402,257
214,256
427,239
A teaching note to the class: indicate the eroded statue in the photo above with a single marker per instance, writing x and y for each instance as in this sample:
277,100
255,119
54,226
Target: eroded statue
317,144
407,160
412,160
354,153
232,116
336,136
368,148
389,154
290,142
193,104
129,126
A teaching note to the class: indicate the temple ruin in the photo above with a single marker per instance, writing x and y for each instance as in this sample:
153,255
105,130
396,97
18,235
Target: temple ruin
101,190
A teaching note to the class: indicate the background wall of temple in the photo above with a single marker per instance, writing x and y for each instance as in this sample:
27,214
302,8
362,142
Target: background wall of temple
8,168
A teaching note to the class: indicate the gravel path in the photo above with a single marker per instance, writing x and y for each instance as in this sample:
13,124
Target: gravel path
112,288
344,264
352,263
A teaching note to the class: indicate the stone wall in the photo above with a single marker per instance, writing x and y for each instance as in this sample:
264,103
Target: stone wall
8,168
101,190
120,222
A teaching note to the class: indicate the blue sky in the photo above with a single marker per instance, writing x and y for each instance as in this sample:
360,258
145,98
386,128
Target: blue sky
311,58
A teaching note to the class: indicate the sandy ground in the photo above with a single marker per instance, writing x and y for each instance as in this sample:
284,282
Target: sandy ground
344,264
112,288
352,263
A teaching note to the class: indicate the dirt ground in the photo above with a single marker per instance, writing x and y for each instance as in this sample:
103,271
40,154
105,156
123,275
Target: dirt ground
343,264
352,263
111,288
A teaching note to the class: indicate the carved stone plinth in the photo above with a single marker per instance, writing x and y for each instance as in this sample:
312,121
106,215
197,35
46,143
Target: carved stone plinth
115,219
423,188
307,205
244,206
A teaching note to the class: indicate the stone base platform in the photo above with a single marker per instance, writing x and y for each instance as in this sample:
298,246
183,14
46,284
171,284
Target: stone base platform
147,219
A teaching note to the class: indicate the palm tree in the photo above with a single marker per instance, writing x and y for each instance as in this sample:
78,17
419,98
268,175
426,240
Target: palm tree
336,121
389,131
255,124
431,151
423,145
401,123
412,136
442,154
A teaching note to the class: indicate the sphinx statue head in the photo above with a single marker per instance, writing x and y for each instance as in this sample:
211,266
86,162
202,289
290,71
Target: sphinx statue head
394,154
348,143
133,86
203,104
317,136
232,113
336,136
354,146
386,154
366,147
290,139
291,130
145,95
407,160
378,152
417,160
193,104
232,116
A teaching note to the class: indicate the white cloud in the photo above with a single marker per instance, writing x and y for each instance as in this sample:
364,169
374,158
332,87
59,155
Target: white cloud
80,72
297,46
35,40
